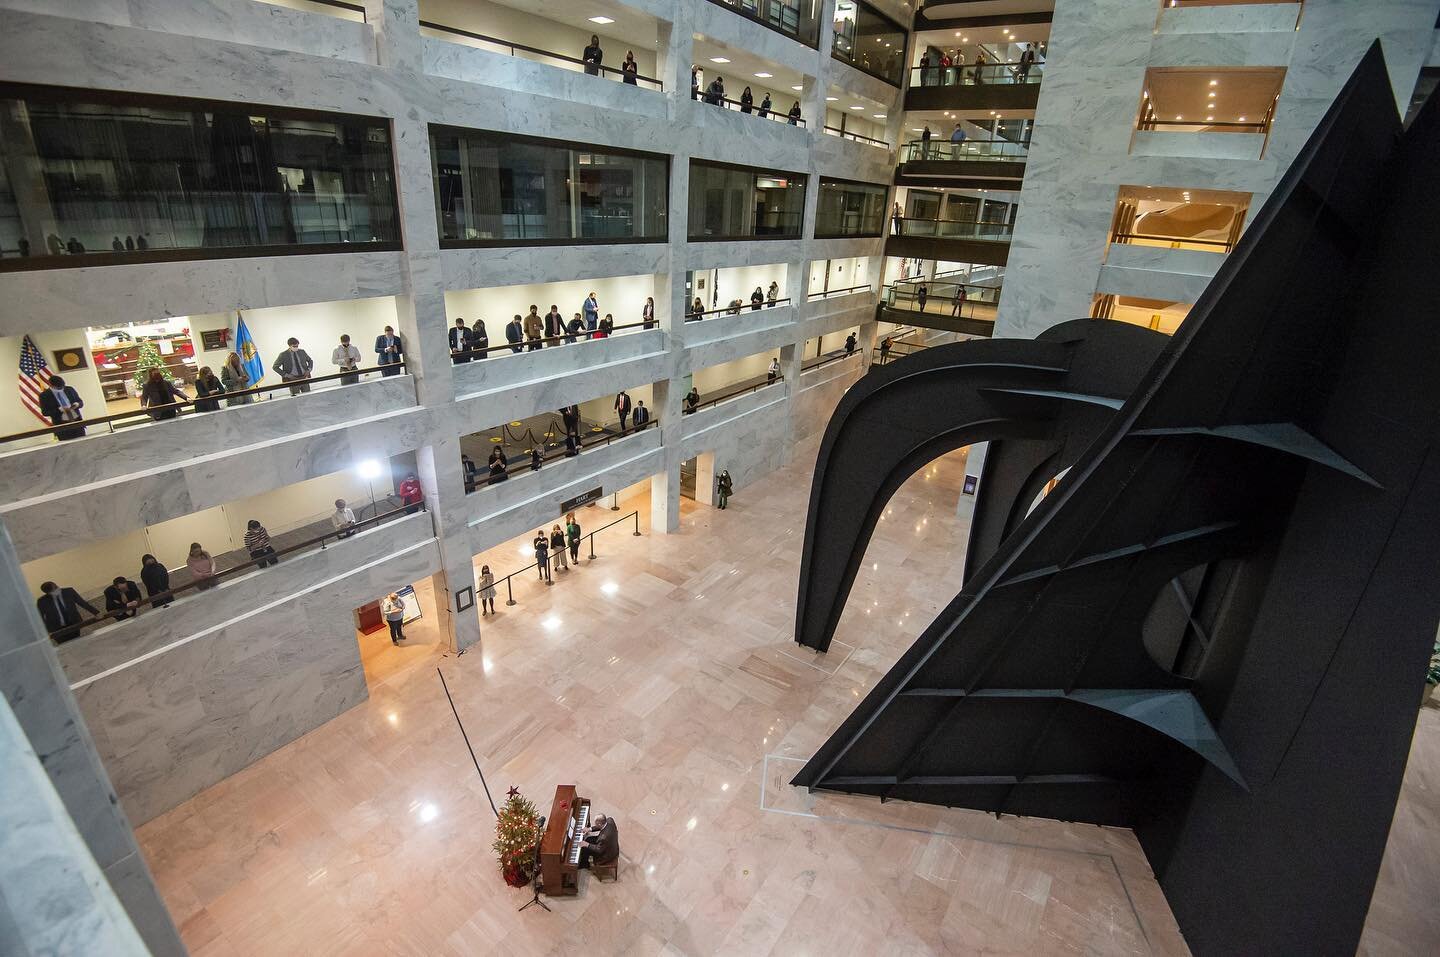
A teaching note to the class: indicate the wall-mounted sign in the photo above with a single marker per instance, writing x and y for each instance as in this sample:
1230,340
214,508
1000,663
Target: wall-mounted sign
970,482
585,498
214,339
67,359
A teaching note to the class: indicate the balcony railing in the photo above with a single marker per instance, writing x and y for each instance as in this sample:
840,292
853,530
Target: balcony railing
337,8
941,296
781,17
725,103
535,345
202,405
827,293
550,450
950,229
536,54
734,309
846,134
962,151
1174,242
985,74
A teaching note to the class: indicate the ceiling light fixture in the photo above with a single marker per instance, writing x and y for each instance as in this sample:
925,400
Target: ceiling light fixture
1242,119
719,59
1211,94
857,107
601,20
831,99
1214,82
878,116
764,76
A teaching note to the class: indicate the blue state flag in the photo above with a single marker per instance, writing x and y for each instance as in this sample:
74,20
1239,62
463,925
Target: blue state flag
249,354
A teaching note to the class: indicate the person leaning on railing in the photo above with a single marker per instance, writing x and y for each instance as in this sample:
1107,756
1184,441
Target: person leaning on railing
343,519
294,365
234,378
159,395
692,401
59,608
629,69
593,56
389,348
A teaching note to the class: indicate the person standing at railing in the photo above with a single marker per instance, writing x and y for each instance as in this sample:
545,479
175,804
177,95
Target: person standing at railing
570,415
957,137
459,343
622,407
795,114
572,536
747,101
979,71
257,542
122,597
697,309
343,519
959,300
467,468
554,323
850,343
757,299
922,292
158,395
479,338
294,365
593,56
641,416
1027,60
534,329
61,404
895,218
347,357
773,371
765,107
697,80
389,349
606,328
884,350
715,92
925,68
772,294
947,72
692,401
234,378
156,578
629,70
591,308
202,567
647,314
925,142
557,550
410,494
60,608
498,464
393,608
515,334
536,458
542,554
487,591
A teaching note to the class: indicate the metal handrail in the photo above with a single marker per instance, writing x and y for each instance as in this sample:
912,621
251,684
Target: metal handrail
958,151
510,592
856,136
754,109
584,335
897,220
215,397
522,466
727,310
826,360
736,393
70,631
963,74
1125,238
800,21
1150,124
838,292
536,50
340,4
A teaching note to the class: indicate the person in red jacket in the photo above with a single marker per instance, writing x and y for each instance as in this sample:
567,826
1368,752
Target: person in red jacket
410,494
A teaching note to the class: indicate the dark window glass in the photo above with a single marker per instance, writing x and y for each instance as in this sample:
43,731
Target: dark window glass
87,174
850,209
494,189
728,202
869,40
795,18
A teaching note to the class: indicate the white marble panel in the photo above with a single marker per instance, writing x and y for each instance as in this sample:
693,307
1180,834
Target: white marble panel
1190,262
1151,283
56,299
507,370
1237,18
459,61
541,508
816,403
703,426
518,400
1222,49
592,467
716,328
835,320
716,22
845,248
702,355
174,723
860,83
100,456
747,444
1238,146
848,369
852,159
757,252
513,265
733,137
196,612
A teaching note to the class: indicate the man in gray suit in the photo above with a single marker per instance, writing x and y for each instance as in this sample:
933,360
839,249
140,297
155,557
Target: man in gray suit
294,365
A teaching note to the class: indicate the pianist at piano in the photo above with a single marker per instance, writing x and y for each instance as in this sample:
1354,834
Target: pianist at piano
602,842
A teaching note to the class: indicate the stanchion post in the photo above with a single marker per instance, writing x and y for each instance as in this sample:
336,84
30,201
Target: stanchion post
614,501
509,592
636,516
592,546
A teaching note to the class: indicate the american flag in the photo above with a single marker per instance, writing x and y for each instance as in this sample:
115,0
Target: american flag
34,378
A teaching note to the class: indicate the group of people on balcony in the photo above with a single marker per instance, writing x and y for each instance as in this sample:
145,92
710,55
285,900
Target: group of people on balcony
714,94
594,58
533,331
760,297
498,467
947,67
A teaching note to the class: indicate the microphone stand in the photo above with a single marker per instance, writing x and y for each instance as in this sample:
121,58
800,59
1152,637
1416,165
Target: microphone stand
535,881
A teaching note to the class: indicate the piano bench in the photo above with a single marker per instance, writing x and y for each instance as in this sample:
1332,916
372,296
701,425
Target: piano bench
604,872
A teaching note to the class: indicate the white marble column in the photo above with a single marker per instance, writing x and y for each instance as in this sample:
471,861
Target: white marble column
39,695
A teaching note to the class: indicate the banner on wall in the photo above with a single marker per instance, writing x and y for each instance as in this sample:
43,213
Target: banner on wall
249,352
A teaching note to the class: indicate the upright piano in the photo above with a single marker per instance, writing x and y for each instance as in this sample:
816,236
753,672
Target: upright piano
560,845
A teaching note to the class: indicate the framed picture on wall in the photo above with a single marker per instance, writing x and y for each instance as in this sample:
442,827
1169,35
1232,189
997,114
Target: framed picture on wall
214,339
68,359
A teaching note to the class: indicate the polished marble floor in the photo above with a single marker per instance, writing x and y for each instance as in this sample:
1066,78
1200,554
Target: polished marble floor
660,680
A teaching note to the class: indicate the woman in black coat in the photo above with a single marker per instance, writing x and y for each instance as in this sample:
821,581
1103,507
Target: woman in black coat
156,579
206,384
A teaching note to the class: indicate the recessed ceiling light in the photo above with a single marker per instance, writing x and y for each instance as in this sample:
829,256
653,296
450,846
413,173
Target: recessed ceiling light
1179,117
1209,118
878,116
1214,82
764,76
719,59
857,107
831,99
601,20
797,89
1242,119
1211,94
957,33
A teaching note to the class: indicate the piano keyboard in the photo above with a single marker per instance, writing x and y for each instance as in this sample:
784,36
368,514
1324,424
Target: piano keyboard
577,834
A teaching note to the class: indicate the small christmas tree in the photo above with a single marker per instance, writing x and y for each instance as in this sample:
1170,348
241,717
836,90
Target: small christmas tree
517,831
149,359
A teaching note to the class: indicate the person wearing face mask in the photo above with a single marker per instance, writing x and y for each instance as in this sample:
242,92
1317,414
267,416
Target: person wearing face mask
593,56
61,404
59,608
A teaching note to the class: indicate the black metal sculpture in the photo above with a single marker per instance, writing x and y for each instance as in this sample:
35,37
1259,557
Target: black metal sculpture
1214,629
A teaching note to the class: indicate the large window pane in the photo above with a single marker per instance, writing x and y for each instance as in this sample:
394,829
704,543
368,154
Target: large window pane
850,209
97,174
496,189
868,40
733,202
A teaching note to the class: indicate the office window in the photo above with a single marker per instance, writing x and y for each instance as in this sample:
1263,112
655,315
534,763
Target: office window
90,176
496,189
870,41
847,208
737,202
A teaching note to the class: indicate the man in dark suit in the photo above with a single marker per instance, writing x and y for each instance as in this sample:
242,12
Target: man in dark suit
622,406
389,349
62,404
460,342
60,608
602,842
294,365
554,323
122,597
515,334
